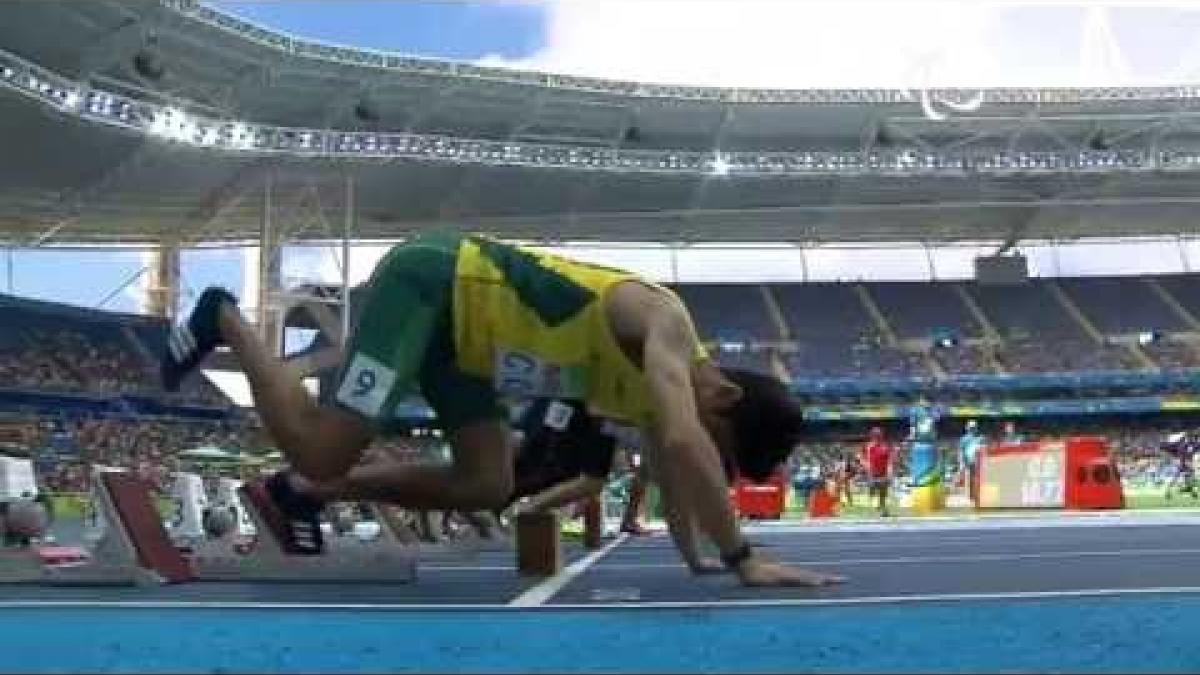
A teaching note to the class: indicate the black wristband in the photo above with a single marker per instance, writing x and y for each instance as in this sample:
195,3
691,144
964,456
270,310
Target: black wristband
737,556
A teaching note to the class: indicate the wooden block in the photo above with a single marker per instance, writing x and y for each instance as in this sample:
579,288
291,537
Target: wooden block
539,546
593,523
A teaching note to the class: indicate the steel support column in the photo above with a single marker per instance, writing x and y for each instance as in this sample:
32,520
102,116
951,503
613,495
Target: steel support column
162,291
270,272
347,232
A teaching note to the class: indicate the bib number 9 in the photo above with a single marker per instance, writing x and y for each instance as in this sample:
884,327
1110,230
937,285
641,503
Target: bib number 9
364,382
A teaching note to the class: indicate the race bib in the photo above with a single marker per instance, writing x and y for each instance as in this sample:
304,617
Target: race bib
558,416
366,385
526,376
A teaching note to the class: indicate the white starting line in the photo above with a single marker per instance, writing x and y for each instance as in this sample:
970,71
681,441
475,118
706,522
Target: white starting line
546,589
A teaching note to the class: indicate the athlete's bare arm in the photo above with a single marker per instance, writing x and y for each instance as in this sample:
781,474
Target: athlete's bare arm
691,478
679,521
690,474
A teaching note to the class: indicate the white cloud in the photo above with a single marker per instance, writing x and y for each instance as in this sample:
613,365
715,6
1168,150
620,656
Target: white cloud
868,43
322,264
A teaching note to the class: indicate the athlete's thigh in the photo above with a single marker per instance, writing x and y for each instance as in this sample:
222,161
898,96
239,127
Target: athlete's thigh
483,449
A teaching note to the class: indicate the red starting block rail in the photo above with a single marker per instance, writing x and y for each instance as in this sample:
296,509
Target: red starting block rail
135,549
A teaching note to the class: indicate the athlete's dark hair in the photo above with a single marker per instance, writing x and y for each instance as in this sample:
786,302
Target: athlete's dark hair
766,423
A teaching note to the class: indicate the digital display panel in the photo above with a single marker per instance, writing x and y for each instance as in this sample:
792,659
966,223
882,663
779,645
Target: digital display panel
1034,479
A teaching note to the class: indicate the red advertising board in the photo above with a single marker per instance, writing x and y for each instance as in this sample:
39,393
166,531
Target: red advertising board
1073,473
761,500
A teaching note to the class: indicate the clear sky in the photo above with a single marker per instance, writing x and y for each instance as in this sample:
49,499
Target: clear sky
456,30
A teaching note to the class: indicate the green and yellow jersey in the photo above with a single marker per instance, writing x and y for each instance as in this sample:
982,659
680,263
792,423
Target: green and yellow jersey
536,324
468,319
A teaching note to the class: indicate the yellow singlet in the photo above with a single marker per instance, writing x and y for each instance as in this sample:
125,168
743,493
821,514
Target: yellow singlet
535,324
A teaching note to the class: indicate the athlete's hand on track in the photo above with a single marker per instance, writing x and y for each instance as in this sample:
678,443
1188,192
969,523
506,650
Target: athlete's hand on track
758,571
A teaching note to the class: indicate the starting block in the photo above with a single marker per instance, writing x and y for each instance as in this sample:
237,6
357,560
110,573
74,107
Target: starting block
268,561
395,532
119,557
135,549
474,542
593,523
539,544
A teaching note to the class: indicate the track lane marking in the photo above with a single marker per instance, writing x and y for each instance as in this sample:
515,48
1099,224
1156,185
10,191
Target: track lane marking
979,557
541,592
704,604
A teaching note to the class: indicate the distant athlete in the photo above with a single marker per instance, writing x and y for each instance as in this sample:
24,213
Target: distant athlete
969,447
465,321
924,461
1183,447
877,457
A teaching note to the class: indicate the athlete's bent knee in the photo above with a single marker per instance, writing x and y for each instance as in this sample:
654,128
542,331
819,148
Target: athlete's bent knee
486,492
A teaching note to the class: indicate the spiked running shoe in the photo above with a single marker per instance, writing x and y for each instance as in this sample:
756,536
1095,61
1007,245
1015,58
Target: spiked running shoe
293,518
190,342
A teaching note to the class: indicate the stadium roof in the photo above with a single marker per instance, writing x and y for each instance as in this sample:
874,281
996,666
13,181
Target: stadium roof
67,178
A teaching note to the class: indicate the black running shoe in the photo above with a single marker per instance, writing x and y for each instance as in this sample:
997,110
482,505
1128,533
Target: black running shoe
190,342
301,532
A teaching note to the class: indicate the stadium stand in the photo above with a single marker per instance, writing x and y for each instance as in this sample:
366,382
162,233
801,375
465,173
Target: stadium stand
1121,306
1184,289
1026,310
835,335
918,309
86,378
831,333
728,311
53,347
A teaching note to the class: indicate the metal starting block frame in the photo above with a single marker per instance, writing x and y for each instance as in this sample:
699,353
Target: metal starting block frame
134,549
113,560
392,533
381,561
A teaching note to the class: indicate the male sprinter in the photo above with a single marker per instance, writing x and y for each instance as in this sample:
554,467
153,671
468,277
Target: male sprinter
563,455
465,320
969,446
630,522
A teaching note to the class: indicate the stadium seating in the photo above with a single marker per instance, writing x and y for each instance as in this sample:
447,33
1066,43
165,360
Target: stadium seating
728,311
1025,310
916,310
822,311
1184,288
1118,306
829,334
963,359
835,335
52,347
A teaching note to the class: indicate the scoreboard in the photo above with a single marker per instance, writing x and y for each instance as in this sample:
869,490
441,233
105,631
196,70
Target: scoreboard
1071,473
1020,477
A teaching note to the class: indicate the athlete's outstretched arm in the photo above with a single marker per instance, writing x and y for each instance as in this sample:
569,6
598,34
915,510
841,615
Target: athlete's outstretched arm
688,467
679,520
692,479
